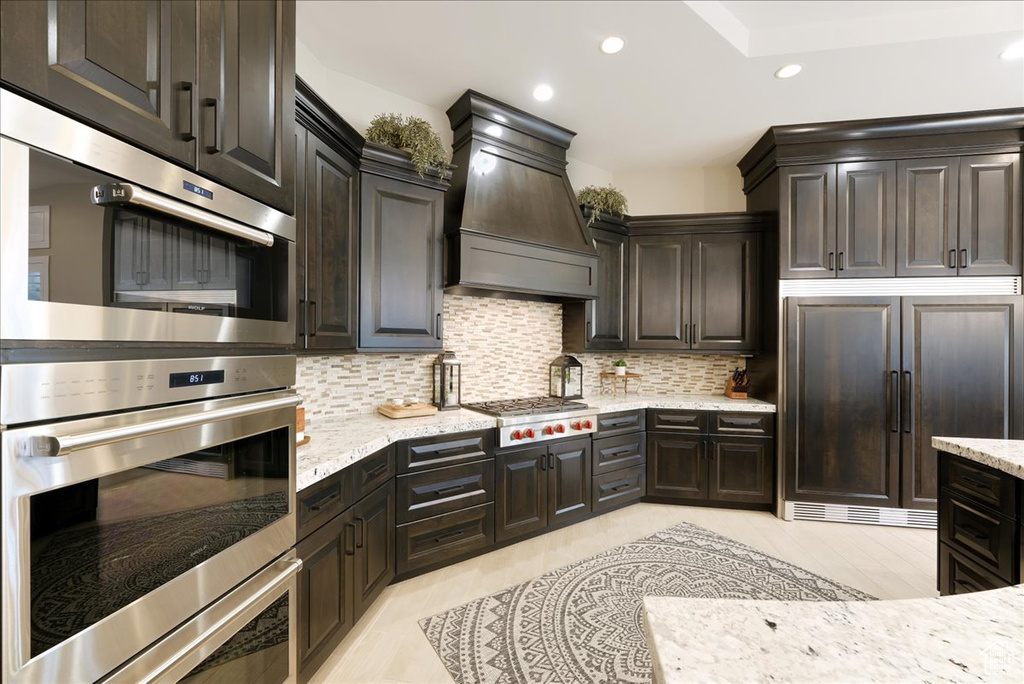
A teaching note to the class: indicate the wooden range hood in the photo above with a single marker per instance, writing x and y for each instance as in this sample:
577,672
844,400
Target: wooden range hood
513,226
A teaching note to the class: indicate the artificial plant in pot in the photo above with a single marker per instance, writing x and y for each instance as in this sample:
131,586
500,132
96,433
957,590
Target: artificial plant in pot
620,367
414,135
609,200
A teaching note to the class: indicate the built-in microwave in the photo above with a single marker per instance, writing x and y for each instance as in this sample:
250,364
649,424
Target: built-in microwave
101,241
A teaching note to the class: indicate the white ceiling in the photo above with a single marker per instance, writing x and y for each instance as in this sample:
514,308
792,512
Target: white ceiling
694,85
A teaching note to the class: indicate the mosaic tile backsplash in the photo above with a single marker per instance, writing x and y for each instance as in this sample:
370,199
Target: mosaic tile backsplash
505,347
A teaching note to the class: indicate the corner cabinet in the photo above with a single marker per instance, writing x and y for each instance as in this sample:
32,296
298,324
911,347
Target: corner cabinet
401,235
694,291
601,324
205,84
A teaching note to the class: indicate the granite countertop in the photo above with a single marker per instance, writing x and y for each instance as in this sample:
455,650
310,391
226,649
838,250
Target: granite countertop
1003,454
339,441
969,638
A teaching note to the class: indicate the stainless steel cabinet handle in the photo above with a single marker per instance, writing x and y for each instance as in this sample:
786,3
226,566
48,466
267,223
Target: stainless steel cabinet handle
214,137
62,445
122,194
831,261
963,258
437,327
842,261
187,134
952,258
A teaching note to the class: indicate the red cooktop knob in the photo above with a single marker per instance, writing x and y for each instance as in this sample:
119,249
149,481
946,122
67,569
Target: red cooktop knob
559,428
587,424
529,433
576,426
548,430
517,434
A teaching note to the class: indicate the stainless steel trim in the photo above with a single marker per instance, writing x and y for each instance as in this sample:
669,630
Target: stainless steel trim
506,426
48,391
95,651
62,445
896,287
121,194
582,414
46,129
175,656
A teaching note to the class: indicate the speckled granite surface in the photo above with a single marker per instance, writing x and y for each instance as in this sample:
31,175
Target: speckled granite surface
339,441
1003,454
972,638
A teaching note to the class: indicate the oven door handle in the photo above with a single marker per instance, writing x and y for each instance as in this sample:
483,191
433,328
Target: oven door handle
121,194
62,445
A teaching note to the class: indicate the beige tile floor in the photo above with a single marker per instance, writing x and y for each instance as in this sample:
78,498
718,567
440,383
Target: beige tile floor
387,645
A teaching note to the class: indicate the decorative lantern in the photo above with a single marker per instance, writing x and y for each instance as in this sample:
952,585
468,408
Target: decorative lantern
447,381
566,379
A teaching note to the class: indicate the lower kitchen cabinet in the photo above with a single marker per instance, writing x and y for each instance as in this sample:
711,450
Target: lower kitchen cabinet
676,466
542,487
443,539
741,469
374,556
619,487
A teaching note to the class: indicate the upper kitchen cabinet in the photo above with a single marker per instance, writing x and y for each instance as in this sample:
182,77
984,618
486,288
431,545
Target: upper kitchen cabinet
693,282
401,238
327,225
600,324
936,195
246,97
204,84
129,67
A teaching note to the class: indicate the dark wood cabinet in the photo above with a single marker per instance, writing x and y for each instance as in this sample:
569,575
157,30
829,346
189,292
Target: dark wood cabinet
246,97
374,556
741,469
927,191
677,466
542,487
601,324
694,292
807,221
129,67
962,360
990,234
842,374
866,219
401,286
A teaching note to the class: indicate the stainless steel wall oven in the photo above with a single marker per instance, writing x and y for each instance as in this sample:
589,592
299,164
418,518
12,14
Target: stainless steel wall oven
149,510
104,242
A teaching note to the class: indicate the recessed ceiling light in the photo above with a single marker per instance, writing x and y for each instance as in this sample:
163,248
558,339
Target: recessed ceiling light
789,71
1015,51
612,44
543,93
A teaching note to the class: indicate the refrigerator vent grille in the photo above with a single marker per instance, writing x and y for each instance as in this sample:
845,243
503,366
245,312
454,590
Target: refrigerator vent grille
899,287
864,515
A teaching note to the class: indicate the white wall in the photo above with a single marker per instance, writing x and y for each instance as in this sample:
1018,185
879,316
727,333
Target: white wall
683,190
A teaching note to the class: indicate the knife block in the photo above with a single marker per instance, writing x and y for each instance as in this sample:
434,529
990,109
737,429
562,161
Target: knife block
735,392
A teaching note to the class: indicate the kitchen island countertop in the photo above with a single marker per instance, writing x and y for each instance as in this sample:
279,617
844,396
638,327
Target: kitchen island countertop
1006,455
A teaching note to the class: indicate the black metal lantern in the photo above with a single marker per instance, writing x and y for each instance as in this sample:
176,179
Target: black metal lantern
566,378
447,381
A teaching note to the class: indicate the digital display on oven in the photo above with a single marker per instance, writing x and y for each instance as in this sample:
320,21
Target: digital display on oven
196,378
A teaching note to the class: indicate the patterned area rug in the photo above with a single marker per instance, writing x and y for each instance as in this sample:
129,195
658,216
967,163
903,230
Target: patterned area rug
584,622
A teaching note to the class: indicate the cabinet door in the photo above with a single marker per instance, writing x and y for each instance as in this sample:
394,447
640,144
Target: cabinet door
301,241
677,466
842,381
568,482
128,66
725,303
219,267
990,215
374,559
189,259
962,359
401,286
520,493
606,316
332,249
659,308
325,608
807,221
741,469
926,201
866,220
247,97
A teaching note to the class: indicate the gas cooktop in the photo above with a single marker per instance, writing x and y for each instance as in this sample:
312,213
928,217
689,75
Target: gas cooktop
526,407
538,419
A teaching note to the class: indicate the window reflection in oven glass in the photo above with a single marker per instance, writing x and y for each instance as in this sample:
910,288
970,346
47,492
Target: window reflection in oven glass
99,545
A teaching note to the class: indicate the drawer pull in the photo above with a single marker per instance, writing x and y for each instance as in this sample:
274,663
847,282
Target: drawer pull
969,586
676,419
450,490
450,535
621,485
614,422
370,474
449,450
973,533
619,451
974,482
324,501
361,532
744,422
350,539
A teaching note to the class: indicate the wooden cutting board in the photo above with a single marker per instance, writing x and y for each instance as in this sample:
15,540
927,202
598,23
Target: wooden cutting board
407,410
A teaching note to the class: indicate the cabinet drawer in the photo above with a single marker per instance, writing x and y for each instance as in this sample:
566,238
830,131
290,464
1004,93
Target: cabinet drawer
433,492
613,489
979,484
440,540
615,453
621,423
444,450
319,503
373,471
958,575
749,424
677,420
985,537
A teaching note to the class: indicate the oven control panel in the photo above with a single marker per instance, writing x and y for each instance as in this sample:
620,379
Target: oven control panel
542,430
48,391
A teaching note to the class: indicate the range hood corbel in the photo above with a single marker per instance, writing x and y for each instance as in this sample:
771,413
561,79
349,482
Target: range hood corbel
513,227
